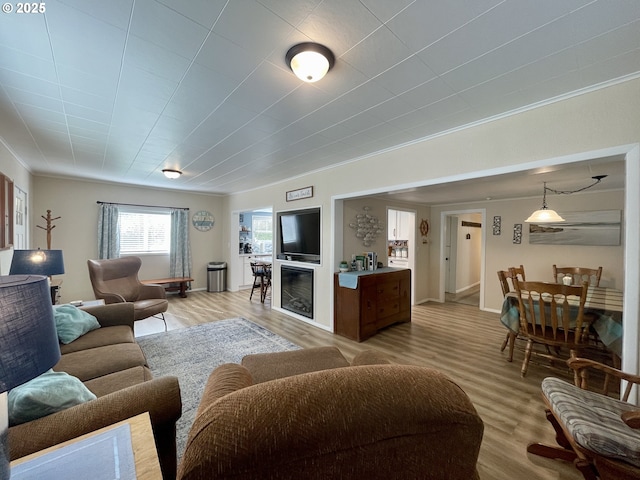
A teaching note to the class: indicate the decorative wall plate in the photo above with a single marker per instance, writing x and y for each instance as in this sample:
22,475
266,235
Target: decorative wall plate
203,220
424,228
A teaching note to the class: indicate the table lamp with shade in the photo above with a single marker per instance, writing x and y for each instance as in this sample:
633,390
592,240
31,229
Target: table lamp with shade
28,342
38,262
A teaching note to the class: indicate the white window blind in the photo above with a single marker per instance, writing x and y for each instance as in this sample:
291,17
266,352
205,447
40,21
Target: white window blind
143,231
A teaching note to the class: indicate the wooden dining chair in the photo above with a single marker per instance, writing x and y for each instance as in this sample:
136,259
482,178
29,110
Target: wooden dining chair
266,268
506,278
258,278
579,274
506,283
592,276
552,315
595,430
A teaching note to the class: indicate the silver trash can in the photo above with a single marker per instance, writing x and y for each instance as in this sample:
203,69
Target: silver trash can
216,276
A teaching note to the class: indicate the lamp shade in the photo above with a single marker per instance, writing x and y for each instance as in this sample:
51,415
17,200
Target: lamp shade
37,262
28,342
544,215
28,339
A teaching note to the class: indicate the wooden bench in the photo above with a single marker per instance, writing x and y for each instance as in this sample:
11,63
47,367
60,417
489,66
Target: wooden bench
170,284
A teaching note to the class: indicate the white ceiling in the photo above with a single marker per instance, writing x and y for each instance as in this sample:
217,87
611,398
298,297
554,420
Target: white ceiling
117,90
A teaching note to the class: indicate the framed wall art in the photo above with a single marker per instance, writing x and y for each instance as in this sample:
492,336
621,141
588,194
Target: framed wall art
299,194
517,233
601,228
203,220
497,225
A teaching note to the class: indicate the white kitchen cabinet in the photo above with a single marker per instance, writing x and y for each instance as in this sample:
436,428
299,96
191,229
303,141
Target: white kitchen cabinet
399,225
404,225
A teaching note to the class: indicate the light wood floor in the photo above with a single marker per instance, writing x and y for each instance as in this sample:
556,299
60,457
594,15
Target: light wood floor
457,339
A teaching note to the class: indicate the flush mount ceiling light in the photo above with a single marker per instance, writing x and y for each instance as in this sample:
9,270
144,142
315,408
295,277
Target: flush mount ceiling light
169,173
310,61
545,214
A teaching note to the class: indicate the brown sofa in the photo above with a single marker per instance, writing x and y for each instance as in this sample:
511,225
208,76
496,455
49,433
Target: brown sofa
310,414
112,365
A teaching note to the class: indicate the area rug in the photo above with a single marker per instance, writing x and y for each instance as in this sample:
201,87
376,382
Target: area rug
192,353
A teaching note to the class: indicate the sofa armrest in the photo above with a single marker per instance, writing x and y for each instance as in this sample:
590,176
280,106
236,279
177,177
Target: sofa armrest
370,357
160,397
225,379
151,291
113,314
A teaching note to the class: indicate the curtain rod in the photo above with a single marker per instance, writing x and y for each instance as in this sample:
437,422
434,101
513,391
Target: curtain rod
136,205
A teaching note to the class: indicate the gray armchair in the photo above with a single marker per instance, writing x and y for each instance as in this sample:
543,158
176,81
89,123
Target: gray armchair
116,280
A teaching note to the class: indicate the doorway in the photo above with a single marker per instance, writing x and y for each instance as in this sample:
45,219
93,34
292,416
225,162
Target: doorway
401,241
462,257
20,225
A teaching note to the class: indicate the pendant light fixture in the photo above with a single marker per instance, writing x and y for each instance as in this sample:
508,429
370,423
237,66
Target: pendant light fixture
547,215
310,61
169,173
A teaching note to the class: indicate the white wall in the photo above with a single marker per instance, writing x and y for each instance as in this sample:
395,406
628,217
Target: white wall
76,231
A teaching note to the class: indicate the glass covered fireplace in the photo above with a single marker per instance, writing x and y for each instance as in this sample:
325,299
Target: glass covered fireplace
296,287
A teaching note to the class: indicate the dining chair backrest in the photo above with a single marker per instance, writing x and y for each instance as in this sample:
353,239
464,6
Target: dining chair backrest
257,269
553,313
506,278
266,268
579,274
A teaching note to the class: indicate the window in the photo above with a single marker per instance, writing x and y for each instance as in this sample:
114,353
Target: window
144,231
262,231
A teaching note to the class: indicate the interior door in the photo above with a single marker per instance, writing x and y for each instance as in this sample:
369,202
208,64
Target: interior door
451,250
20,222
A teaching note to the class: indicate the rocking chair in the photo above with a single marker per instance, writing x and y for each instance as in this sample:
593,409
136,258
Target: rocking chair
598,433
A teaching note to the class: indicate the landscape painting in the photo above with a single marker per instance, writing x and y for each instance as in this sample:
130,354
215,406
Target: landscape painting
602,227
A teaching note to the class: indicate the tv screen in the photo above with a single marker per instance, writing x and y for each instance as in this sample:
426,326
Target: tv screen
300,232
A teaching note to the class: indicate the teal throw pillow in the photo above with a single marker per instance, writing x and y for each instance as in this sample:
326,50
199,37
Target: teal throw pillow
72,322
49,393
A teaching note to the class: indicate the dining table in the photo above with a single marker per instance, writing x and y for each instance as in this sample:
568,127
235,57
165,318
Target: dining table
603,302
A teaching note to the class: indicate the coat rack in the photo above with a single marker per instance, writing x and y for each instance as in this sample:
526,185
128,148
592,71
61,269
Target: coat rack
49,227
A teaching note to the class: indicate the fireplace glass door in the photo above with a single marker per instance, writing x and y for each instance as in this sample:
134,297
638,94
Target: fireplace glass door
296,287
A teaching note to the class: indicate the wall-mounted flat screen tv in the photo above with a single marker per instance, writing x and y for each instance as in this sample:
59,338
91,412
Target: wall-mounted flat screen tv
300,235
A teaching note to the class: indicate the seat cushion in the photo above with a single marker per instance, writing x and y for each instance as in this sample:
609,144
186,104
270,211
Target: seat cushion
148,308
99,338
269,366
96,362
114,382
593,420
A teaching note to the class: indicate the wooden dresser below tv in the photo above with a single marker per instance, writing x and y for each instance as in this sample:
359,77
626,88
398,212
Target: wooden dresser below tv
380,298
